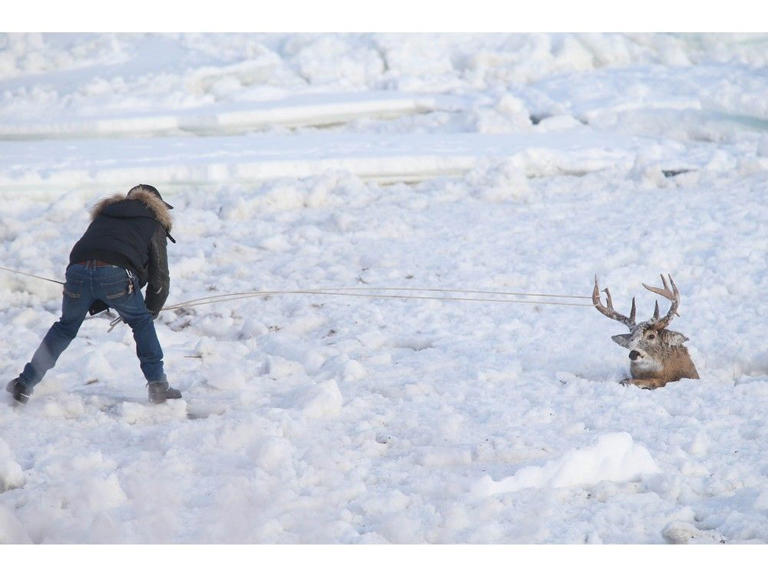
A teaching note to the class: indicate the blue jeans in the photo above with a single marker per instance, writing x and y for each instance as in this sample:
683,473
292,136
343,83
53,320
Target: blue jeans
118,290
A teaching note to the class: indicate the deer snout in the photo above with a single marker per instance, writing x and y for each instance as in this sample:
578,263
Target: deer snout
634,355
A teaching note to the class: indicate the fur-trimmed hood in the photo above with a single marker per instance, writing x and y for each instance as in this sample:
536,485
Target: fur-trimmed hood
152,202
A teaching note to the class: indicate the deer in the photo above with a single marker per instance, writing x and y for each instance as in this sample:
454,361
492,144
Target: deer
657,355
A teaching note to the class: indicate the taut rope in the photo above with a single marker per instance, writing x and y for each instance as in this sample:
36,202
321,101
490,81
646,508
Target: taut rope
377,293
31,275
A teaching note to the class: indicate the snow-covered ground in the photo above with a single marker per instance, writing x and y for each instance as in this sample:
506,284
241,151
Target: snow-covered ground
519,163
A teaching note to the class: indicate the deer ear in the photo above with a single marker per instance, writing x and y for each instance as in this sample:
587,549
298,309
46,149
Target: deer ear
675,338
622,339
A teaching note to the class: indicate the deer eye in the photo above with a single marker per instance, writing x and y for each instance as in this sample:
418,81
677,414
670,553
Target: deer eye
651,336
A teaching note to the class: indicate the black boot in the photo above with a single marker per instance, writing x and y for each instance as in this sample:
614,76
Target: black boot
160,391
19,391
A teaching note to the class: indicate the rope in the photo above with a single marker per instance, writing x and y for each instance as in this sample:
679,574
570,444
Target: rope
358,292
463,291
31,275
354,292
494,296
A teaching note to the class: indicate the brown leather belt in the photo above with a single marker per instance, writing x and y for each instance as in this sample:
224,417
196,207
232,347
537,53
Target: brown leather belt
95,264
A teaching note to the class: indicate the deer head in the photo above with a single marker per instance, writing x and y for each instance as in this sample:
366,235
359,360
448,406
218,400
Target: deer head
656,355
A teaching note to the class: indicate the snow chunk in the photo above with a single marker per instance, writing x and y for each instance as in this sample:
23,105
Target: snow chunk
680,532
11,475
11,529
614,458
272,453
280,368
320,400
354,371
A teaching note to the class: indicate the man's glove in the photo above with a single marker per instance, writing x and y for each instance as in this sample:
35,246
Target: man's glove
96,307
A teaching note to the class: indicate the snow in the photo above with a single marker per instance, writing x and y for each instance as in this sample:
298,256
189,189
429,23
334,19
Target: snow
502,162
615,458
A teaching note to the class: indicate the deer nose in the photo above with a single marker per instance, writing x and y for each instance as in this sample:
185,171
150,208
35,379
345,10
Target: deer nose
634,355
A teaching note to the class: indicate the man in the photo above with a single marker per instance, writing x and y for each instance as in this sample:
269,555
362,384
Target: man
123,249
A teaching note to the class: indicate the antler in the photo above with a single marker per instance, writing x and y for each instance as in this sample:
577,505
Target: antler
673,295
608,310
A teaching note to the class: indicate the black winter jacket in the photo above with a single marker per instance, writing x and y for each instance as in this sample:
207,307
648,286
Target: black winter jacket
131,234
